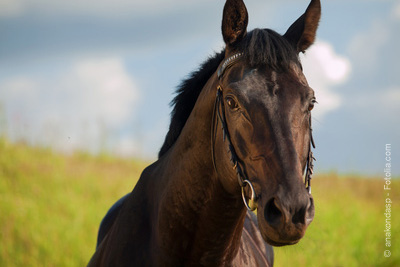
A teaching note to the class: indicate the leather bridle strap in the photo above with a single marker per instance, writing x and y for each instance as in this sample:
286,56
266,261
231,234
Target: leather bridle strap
219,109
219,115
310,162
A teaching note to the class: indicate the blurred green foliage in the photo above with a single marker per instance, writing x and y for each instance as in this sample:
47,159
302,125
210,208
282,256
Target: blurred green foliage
51,206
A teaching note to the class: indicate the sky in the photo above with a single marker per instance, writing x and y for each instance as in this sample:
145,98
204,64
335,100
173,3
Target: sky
99,75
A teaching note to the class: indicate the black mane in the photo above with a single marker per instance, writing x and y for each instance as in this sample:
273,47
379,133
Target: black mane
260,47
186,97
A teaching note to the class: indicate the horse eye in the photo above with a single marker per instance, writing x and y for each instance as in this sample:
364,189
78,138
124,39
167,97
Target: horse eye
232,104
312,103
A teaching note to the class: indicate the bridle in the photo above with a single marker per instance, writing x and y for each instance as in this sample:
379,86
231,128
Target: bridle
219,115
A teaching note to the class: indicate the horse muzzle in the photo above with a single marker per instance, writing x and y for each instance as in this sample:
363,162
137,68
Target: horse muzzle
283,221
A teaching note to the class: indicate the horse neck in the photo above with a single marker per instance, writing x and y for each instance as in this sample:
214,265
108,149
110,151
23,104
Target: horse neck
197,217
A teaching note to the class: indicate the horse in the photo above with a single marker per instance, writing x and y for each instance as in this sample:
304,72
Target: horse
240,140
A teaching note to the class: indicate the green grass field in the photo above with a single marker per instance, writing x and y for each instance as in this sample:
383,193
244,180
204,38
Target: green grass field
51,206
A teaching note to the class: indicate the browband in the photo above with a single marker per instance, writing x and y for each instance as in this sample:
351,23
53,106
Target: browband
228,63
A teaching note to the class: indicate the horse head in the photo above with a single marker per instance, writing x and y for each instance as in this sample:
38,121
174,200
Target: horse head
264,104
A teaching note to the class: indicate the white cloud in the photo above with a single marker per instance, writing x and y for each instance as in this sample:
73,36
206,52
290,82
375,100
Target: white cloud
20,86
379,107
324,69
336,68
11,8
127,146
390,98
103,88
396,11
365,48
77,109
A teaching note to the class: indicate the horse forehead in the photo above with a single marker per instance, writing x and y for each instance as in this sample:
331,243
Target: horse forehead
298,72
260,84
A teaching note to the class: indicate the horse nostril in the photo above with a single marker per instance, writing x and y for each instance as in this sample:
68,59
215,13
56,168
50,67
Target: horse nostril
310,211
305,214
299,216
272,213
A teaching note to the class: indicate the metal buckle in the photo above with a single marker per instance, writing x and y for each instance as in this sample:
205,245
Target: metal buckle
252,205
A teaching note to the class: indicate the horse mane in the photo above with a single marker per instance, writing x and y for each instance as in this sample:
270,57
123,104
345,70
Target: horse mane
260,47
186,97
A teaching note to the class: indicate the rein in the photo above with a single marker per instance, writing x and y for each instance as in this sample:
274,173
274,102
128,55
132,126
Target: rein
219,115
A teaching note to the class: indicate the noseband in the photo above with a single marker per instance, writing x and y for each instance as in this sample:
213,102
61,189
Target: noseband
219,115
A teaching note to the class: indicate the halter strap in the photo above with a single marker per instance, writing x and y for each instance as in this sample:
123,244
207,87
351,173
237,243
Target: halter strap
219,115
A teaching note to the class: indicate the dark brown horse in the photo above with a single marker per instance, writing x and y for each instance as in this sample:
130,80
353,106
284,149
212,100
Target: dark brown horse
240,136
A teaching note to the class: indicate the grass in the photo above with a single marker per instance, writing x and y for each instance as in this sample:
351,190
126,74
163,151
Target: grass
51,206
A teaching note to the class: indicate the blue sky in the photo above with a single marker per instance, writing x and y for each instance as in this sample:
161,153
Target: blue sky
100,74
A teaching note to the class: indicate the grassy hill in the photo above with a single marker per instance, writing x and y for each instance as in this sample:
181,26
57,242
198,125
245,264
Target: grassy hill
51,206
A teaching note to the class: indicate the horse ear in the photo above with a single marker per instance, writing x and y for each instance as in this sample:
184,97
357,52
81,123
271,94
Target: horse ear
302,32
234,21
